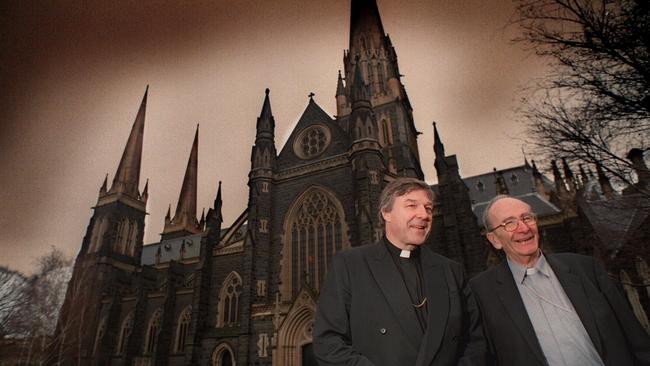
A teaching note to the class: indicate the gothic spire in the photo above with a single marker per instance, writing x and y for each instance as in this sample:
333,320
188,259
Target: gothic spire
145,192
266,107
127,177
605,184
217,205
358,90
265,122
263,154
438,147
568,175
439,151
366,29
557,178
340,89
104,187
185,216
538,180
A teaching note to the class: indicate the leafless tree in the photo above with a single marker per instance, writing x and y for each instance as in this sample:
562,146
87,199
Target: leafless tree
594,105
43,295
13,297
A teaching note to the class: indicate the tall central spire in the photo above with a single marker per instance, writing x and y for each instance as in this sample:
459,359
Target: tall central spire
127,177
366,30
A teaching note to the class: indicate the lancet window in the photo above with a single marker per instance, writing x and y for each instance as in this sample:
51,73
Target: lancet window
316,233
228,312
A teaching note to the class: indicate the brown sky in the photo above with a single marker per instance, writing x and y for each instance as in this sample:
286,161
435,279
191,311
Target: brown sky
72,75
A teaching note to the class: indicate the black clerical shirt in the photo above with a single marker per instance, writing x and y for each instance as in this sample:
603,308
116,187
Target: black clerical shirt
410,270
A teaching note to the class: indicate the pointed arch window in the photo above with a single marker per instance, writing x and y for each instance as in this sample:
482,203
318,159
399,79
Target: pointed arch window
182,329
229,300
98,235
131,239
380,75
153,330
125,332
315,229
386,133
223,356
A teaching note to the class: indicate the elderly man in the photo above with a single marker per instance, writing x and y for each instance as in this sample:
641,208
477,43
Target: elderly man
551,309
396,302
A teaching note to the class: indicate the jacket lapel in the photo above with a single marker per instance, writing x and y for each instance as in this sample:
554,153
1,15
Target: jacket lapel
437,292
516,310
392,286
574,289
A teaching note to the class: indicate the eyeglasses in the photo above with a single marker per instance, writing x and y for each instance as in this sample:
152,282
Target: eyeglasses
512,224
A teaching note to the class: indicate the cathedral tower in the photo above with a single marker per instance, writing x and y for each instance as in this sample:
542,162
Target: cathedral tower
372,54
110,254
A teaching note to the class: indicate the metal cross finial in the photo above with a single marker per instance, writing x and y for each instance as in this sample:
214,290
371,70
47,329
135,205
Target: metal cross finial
311,95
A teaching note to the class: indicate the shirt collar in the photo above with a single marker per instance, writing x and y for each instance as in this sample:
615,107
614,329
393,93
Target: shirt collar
395,251
519,272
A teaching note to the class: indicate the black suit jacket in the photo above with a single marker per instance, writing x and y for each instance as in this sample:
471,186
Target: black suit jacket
365,316
615,332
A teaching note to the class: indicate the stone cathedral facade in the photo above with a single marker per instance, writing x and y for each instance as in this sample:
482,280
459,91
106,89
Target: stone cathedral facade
207,294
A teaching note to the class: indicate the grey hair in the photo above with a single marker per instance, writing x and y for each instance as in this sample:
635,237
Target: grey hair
400,187
486,213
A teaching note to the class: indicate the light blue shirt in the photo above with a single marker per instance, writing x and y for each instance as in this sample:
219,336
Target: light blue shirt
559,330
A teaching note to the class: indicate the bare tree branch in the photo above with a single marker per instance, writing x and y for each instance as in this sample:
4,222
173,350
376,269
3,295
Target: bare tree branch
594,105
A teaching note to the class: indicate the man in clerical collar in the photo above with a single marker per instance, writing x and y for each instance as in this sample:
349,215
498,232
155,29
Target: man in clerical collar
396,302
550,309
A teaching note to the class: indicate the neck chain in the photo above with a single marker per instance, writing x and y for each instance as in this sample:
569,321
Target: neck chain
419,280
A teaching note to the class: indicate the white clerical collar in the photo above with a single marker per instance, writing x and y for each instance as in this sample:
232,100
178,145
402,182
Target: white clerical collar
405,253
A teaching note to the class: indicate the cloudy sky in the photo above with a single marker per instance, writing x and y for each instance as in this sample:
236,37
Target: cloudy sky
73,74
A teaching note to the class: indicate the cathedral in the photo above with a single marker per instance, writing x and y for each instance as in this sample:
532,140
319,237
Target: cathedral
207,294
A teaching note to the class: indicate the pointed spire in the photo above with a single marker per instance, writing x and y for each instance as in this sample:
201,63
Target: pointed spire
535,170
525,159
539,180
605,185
202,220
366,29
438,147
340,89
145,192
265,122
217,205
568,175
557,178
127,177
168,217
187,199
266,107
341,98
104,187
439,159
359,90
185,217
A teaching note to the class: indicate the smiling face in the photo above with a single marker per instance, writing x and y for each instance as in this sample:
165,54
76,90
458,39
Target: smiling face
520,245
408,220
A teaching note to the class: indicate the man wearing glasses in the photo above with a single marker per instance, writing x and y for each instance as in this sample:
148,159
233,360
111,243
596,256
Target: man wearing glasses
550,309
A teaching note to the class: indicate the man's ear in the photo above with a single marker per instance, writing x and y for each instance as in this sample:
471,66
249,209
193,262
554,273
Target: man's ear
386,215
494,240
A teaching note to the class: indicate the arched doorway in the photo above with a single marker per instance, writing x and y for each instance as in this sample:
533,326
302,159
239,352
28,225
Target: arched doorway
223,356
